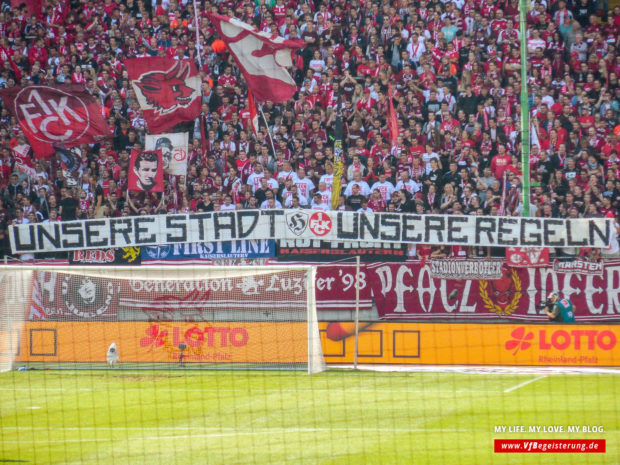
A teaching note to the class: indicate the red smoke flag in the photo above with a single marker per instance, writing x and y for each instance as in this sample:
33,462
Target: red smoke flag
393,121
146,171
167,90
262,58
56,115
253,113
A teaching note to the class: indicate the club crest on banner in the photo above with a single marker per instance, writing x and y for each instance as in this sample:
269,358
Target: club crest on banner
501,296
59,117
297,222
320,223
52,115
87,297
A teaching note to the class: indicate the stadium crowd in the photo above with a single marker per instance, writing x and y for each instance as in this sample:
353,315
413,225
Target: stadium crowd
453,68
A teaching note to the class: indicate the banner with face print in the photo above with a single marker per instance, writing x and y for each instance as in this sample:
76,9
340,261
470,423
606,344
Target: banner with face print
146,173
173,151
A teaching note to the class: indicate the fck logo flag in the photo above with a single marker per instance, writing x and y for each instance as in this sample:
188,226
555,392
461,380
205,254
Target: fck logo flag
262,57
56,115
167,90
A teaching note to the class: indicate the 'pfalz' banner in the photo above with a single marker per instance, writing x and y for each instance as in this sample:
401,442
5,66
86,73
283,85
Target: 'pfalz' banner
408,290
310,224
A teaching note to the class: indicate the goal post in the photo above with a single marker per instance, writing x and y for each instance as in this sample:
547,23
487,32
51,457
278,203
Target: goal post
162,317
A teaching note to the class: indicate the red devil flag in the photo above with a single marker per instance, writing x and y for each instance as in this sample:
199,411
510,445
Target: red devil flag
262,57
146,171
253,113
392,122
56,115
167,90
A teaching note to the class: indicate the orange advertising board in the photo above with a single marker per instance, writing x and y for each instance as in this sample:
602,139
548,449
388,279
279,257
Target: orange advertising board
286,342
216,342
473,344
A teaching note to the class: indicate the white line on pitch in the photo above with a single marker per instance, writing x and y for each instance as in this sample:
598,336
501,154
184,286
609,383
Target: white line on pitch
524,383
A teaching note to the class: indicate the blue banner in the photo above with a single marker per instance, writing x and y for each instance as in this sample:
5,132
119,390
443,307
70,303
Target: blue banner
210,250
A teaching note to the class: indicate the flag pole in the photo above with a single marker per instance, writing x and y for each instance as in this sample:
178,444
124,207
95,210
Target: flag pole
273,148
198,47
525,110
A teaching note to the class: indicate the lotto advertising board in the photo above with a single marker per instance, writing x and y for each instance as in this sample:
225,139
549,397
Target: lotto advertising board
472,344
286,342
213,342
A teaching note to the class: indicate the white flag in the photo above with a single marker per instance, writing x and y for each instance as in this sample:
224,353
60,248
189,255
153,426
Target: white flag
173,150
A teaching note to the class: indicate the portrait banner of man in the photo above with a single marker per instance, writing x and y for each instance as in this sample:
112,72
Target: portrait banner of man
174,151
146,172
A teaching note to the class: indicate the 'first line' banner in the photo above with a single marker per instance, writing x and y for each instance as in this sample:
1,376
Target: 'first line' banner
311,224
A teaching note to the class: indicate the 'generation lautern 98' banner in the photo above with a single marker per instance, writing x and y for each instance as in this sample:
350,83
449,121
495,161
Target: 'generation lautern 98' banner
310,224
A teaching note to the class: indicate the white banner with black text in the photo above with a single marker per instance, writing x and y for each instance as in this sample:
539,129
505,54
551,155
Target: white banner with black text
309,224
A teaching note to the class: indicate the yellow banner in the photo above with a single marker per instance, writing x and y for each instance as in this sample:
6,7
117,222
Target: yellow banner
473,344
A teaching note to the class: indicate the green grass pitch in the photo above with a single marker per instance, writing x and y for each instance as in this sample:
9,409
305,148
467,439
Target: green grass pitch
338,417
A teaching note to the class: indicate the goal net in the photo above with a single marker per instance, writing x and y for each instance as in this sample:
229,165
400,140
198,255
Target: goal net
147,317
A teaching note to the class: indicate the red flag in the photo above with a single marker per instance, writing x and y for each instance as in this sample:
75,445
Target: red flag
146,171
56,115
23,161
527,256
253,113
393,121
167,90
262,57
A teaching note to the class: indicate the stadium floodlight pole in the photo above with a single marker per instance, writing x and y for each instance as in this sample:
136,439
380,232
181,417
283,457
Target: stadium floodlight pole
525,110
357,309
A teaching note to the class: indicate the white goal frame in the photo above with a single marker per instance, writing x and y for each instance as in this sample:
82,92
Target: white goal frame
315,359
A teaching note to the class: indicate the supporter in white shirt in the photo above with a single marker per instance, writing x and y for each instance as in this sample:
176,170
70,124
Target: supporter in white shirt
416,47
365,207
271,202
407,183
286,173
427,156
357,181
255,177
326,194
295,194
328,177
385,187
318,203
305,186
227,205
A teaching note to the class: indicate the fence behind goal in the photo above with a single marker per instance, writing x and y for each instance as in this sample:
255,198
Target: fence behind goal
198,317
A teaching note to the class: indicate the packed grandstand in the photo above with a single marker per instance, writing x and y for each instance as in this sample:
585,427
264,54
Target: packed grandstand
452,70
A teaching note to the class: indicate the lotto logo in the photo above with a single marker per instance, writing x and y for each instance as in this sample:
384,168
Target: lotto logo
320,223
